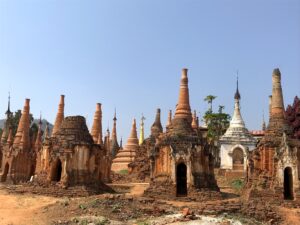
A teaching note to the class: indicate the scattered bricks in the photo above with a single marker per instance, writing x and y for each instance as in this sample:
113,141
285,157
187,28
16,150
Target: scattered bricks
186,212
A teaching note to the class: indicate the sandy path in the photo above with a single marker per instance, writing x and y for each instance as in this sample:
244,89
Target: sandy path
23,209
291,216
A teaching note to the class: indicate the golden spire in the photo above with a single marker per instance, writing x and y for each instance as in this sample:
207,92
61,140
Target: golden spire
97,125
183,109
142,131
60,115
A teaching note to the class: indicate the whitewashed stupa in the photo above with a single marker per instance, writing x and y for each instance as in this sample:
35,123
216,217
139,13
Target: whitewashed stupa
237,140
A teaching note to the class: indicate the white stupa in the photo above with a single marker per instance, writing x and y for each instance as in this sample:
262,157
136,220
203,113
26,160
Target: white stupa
237,140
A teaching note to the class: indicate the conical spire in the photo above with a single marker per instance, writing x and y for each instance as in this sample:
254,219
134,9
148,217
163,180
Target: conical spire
127,154
114,130
183,109
237,93
132,140
277,122
8,112
277,98
97,125
114,140
60,115
7,124
169,119
38,141
237,130
237,120
142,131
23,127
133,133
194,122
156,127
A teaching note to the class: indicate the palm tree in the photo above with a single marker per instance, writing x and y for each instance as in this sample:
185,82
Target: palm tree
221,107
209,99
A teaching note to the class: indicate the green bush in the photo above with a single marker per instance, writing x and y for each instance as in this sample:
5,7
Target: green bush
237,184
123,172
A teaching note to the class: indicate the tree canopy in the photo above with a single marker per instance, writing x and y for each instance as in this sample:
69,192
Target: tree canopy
217,123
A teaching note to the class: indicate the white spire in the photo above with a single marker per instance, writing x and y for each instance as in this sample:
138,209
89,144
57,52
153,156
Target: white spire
237,130
237,120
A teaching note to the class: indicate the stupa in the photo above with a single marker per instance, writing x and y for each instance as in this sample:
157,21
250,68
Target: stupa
181,161
127,154
237,141
272,170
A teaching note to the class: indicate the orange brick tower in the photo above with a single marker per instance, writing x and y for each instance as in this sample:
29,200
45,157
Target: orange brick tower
183,109
97,125
60,115
156,127
19,160
181,160
273,166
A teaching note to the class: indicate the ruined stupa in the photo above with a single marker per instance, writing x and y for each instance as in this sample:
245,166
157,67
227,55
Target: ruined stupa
19,158
181,162
70,156
272,170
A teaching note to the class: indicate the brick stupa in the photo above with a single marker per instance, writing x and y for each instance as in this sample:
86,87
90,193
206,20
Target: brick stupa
272,170
181,160
127,154
59,116
97,125
18,161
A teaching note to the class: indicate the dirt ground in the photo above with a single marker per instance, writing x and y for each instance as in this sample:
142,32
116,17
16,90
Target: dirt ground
127,207
23,209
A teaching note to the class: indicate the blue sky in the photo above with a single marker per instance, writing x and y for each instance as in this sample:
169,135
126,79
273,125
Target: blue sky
129,55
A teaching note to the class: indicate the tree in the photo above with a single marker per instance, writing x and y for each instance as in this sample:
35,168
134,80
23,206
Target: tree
217,123
221,107
209,99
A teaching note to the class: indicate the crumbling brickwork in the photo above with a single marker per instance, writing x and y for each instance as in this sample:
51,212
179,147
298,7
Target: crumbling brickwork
71,157
273,165
181,161
18,155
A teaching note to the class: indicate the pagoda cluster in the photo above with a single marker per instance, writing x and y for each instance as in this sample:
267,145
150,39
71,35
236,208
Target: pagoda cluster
179,161
70,155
